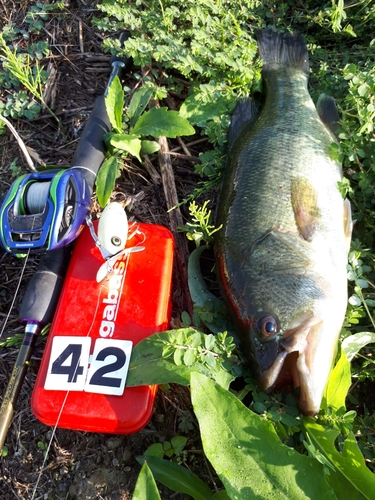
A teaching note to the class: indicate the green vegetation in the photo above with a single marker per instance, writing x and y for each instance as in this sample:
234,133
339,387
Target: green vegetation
129,132
21,68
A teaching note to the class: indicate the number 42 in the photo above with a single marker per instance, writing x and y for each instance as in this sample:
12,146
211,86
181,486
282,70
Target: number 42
71,369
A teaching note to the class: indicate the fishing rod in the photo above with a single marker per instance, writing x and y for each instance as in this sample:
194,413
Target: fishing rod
48,210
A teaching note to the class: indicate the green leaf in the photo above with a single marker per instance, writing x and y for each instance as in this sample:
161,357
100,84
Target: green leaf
210,359
155,450
246,452
363,89
185,317
177,478
149,147
343,488
189,357
105,181
114,104
351,345
178,356
146,486
138,103
349,463
338,384
209,342
221,495
148,367
159,121
129,143
178,443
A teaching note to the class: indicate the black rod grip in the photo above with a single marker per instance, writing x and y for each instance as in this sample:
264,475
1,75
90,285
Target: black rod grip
91,148
43,291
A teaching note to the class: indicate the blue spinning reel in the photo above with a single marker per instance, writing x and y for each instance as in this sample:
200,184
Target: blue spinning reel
44,210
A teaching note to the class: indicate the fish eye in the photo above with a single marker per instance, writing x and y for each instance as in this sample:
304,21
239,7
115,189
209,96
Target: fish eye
267,326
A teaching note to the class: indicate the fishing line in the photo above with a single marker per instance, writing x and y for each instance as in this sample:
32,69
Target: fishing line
65,399
68,392
15,294
135,231
36,197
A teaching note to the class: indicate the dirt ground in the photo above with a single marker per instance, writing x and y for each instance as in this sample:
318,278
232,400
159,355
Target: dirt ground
80,465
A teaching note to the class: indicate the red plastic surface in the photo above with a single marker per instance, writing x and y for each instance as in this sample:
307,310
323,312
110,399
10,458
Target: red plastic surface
144,308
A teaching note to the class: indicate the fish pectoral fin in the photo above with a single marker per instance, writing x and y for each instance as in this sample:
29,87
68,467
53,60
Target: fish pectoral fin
348,223
327,111
307,215
245,113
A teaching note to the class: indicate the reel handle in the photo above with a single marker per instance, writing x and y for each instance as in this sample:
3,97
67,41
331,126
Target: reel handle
43,291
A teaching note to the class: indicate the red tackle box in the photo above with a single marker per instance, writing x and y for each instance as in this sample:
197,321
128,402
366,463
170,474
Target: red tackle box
80,384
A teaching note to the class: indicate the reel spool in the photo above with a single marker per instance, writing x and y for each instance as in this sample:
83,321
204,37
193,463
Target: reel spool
44,210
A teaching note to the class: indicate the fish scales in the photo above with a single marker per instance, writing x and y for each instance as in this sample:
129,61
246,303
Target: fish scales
282,250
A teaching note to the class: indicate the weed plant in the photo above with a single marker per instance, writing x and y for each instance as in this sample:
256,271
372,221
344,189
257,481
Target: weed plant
22,78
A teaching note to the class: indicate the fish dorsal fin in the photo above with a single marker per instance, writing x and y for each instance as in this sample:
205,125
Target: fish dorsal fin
288,49
305,207
328,113
245,113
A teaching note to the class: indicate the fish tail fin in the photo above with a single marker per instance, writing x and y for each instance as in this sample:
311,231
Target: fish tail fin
288,49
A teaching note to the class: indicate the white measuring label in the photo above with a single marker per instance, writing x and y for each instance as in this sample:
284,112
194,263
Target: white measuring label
68,364
109,367
72,368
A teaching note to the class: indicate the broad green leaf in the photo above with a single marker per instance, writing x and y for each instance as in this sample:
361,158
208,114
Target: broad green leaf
351,345
106,178
221,495
148,366
343,488
155,450
129,143
159,121
338,384
149,147
114,104
146,486
138,103
246,452
349,463
177,478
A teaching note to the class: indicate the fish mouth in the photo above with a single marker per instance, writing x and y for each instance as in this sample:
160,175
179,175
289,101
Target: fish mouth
296,362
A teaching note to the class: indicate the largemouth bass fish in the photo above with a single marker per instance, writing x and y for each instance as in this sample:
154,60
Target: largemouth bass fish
281,254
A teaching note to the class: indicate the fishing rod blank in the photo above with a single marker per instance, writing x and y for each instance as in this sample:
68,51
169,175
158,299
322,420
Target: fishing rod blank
37,310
